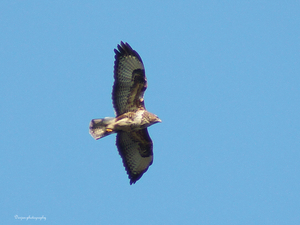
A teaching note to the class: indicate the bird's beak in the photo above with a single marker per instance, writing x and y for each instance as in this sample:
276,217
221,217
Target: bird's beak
159,120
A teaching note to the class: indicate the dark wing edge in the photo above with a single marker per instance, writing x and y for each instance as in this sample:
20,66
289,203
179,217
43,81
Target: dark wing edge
130,80
136,150
125,49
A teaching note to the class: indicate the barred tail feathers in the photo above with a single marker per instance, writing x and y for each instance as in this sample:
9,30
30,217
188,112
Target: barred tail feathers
98,127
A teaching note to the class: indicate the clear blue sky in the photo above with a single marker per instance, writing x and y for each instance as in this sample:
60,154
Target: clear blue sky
224,76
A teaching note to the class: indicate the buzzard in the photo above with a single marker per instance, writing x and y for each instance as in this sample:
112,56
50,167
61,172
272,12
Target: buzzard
132,119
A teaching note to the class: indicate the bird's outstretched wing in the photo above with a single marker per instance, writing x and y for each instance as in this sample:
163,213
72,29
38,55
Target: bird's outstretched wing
130,80
135,149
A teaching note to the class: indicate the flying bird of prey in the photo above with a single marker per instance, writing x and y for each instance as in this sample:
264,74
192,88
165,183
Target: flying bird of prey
132,119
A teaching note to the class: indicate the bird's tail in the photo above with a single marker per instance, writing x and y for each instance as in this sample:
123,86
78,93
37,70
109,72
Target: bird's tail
99,129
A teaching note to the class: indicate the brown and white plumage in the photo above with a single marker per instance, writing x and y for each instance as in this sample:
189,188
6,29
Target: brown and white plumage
130,80
135,149
132,119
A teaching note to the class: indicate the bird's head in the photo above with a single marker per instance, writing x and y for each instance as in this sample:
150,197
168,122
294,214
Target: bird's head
153,118
157,120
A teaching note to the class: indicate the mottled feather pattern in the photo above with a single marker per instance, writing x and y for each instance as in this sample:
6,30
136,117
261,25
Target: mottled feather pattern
135,162
132,119
127,90
145,143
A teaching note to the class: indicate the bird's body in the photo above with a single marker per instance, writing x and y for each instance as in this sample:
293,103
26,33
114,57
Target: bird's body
128,122
133,141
